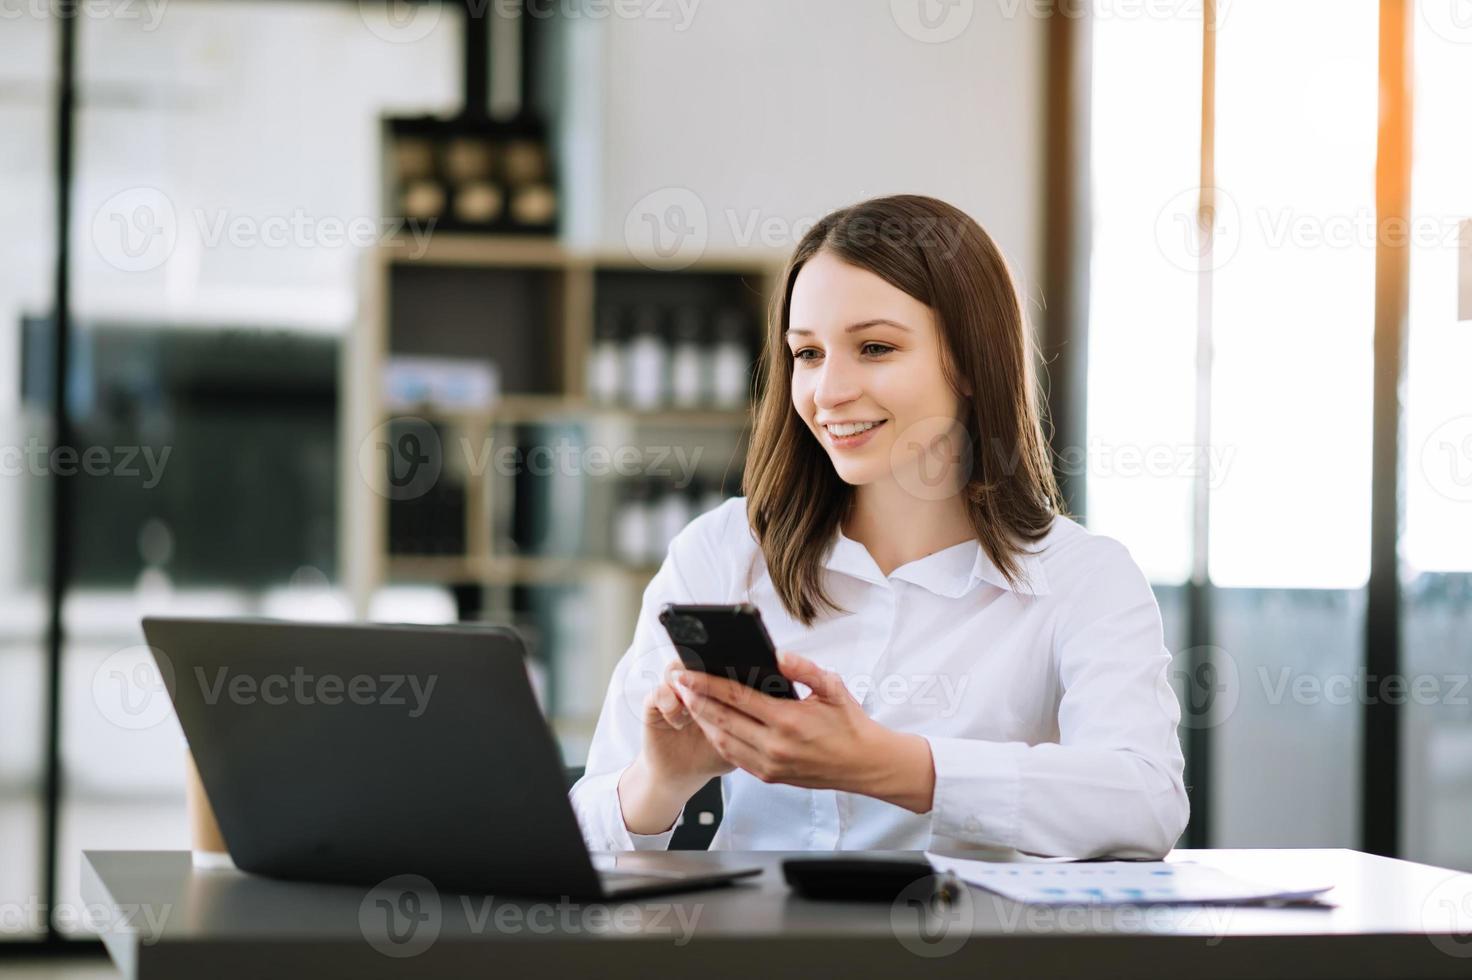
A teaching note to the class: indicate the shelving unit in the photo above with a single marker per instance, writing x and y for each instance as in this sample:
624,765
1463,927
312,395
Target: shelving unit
533,302
549,408
510,570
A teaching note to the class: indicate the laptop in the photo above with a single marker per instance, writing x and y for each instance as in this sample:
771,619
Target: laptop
353,753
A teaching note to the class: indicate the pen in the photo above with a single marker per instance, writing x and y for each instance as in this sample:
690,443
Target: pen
947,886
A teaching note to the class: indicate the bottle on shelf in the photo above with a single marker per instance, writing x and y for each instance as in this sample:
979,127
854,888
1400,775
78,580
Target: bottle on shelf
605,362
646,360
632,523
730,360
672,513
689,360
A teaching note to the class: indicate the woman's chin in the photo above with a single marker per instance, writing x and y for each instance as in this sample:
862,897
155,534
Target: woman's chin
854,476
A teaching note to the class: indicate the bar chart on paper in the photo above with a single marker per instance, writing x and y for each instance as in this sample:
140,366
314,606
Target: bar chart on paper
1117,883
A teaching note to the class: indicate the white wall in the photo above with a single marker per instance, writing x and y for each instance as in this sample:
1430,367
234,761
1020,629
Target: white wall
786,109
226,116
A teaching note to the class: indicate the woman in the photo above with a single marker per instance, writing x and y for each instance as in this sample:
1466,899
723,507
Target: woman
979,670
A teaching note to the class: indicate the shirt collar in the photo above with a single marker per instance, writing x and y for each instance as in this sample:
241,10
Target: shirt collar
950,572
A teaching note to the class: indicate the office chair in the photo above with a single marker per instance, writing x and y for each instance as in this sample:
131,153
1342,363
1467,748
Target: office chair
702,814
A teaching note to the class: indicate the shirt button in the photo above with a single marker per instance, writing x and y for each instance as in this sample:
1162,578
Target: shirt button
973,825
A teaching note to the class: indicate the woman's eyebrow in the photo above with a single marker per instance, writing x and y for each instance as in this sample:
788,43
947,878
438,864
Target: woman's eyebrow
854,327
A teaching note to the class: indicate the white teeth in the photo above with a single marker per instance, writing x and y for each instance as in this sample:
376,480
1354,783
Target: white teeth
850,428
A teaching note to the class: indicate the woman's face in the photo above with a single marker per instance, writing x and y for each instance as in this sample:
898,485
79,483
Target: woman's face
867,352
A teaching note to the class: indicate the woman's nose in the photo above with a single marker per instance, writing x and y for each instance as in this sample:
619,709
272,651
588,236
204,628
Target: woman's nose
837,383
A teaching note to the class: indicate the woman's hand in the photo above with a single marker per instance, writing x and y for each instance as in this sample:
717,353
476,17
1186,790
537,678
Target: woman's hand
675,760
824,741
675,748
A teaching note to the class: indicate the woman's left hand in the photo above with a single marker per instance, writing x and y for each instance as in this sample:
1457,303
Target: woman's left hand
824,741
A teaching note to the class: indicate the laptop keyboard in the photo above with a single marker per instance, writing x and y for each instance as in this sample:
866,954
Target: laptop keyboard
649,873
615,883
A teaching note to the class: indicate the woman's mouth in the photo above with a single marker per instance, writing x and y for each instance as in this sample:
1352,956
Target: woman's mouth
851,435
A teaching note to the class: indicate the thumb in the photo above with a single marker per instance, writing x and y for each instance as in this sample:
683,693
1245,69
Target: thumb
825,684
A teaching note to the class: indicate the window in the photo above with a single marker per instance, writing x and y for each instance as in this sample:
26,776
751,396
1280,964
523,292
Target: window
1436,551
1244,355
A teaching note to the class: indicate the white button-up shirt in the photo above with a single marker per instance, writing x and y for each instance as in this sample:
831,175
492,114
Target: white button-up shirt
1050,716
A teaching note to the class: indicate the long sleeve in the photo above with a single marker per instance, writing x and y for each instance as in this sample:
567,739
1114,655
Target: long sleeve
692,572
1113,782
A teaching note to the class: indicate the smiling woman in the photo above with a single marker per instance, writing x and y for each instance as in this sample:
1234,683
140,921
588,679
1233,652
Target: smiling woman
898,311
897,475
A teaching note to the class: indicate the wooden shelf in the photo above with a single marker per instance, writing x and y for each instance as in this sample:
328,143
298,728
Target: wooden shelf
538,252
530,284
755,261
551,408
519,570
460,248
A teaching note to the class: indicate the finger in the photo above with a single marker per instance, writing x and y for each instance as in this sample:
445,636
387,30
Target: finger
670,707
730,747
734,693
727,718
825,683
739,753
672,671
653,710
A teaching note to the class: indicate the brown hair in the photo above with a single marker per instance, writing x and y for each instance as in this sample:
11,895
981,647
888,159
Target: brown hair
796,500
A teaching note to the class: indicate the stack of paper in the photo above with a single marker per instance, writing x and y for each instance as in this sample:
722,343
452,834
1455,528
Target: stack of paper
1117,883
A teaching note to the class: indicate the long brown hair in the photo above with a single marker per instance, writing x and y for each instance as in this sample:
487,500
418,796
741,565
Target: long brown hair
796,500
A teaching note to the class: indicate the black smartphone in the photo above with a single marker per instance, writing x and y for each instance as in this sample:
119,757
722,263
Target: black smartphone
728,641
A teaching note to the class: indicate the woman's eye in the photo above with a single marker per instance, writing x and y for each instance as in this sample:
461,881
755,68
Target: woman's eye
870,349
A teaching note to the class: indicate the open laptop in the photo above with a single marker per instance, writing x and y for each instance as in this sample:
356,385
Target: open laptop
353,753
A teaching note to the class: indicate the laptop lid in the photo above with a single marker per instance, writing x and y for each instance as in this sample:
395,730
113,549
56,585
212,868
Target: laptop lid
352,753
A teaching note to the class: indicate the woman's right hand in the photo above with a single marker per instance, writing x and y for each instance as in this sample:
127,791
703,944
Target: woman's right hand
675,748
675,760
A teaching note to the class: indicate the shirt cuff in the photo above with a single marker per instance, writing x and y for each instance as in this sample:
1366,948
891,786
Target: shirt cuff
978,790
608,831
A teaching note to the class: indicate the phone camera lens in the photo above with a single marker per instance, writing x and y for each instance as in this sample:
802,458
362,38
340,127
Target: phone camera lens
687,630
